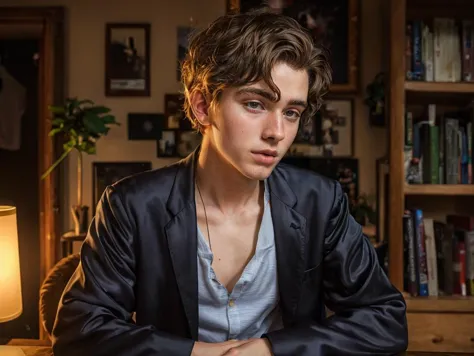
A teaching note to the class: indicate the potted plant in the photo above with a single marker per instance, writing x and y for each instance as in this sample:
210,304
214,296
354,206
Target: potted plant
375,100
80,123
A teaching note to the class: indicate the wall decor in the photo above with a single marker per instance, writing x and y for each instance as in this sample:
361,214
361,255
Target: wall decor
127,59
145,126
166,146
183,33
176,117
330,133
107,173
344,170
188,141
332,23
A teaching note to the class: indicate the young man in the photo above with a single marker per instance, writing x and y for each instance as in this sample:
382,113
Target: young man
228,252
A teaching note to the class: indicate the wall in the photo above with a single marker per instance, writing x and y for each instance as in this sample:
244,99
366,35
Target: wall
85,55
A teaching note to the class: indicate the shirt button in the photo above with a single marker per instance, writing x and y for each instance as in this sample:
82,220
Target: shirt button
231,303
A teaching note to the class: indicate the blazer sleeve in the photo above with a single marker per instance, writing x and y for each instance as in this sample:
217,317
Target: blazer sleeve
369,313
95,313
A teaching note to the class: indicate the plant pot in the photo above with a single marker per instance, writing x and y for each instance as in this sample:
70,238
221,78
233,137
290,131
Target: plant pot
80,216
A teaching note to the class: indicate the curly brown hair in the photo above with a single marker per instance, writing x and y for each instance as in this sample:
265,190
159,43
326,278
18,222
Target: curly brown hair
241,49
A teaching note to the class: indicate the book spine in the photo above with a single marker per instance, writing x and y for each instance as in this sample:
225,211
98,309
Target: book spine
417,61
421,254
410,262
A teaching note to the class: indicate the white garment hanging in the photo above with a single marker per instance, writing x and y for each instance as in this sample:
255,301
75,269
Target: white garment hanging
12,107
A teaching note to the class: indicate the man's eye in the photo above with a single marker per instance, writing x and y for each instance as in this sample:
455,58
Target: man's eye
254,105
292,114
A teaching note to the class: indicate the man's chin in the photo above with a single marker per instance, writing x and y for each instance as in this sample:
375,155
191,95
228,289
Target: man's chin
259,172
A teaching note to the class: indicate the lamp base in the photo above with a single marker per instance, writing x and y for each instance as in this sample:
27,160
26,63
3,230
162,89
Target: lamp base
11,351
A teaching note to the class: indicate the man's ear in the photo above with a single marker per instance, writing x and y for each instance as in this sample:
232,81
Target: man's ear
200,107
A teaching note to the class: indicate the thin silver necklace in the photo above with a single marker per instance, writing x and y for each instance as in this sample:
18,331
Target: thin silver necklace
205,215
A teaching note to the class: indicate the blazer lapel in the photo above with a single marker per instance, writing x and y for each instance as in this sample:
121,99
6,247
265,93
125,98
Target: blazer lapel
289,228
181,233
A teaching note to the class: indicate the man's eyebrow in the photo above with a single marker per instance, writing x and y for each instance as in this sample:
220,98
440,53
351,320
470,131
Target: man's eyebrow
269,96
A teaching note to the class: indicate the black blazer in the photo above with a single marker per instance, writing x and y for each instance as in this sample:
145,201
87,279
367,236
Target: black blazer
141,255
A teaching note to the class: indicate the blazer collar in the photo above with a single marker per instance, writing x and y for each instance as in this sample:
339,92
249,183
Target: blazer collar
289,229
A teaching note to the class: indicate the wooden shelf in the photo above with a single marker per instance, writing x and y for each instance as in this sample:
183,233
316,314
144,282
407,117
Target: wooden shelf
448,304
439,189
440,87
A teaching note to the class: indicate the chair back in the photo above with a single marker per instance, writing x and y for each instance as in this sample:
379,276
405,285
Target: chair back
52,289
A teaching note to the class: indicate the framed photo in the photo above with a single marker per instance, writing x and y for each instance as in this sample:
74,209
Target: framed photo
332,23
166,146
344,170
145,126
107,173
175,117
188,142
330,133
127,59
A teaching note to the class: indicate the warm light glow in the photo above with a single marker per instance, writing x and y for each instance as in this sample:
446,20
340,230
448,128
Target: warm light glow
10,282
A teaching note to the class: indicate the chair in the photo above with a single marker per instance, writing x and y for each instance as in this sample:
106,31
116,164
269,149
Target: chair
52,289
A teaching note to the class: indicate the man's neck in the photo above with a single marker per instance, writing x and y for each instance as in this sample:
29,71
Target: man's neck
222,185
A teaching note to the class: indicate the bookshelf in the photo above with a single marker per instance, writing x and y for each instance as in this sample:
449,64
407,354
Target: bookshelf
436,323
448,88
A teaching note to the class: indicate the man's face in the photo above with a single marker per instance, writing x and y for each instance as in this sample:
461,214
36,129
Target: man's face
251,131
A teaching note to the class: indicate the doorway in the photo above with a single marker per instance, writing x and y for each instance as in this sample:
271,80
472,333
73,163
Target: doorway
19,77
31,47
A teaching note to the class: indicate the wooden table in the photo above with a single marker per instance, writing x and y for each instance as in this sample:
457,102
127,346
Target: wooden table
43,348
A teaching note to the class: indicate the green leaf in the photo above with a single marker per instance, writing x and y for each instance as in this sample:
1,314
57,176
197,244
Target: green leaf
58,121
94,124
54,132
57,110
97,110
109,119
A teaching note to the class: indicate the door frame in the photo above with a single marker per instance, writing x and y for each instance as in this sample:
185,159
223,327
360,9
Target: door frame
51,91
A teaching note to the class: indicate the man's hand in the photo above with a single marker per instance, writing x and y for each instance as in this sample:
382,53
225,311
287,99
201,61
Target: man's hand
216,349
253,347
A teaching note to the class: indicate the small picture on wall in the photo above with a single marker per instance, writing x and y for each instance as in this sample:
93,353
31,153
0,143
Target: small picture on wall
145,126
127,59
107,173
329,133
344,170
183,41
188,142
166,146
175,116
307,132
333,24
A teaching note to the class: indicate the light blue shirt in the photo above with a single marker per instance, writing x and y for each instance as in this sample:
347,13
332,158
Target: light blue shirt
252,308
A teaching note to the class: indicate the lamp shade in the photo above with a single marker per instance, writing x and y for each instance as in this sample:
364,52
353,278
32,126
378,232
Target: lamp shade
11,305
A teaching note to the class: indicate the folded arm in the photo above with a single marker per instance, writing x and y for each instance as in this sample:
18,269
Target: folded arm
95,313
370,314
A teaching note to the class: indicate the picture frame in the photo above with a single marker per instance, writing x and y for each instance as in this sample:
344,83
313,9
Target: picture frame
166,146
175,116
145,126
107,173
329,133
188,141
343,169
339,21
127,59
